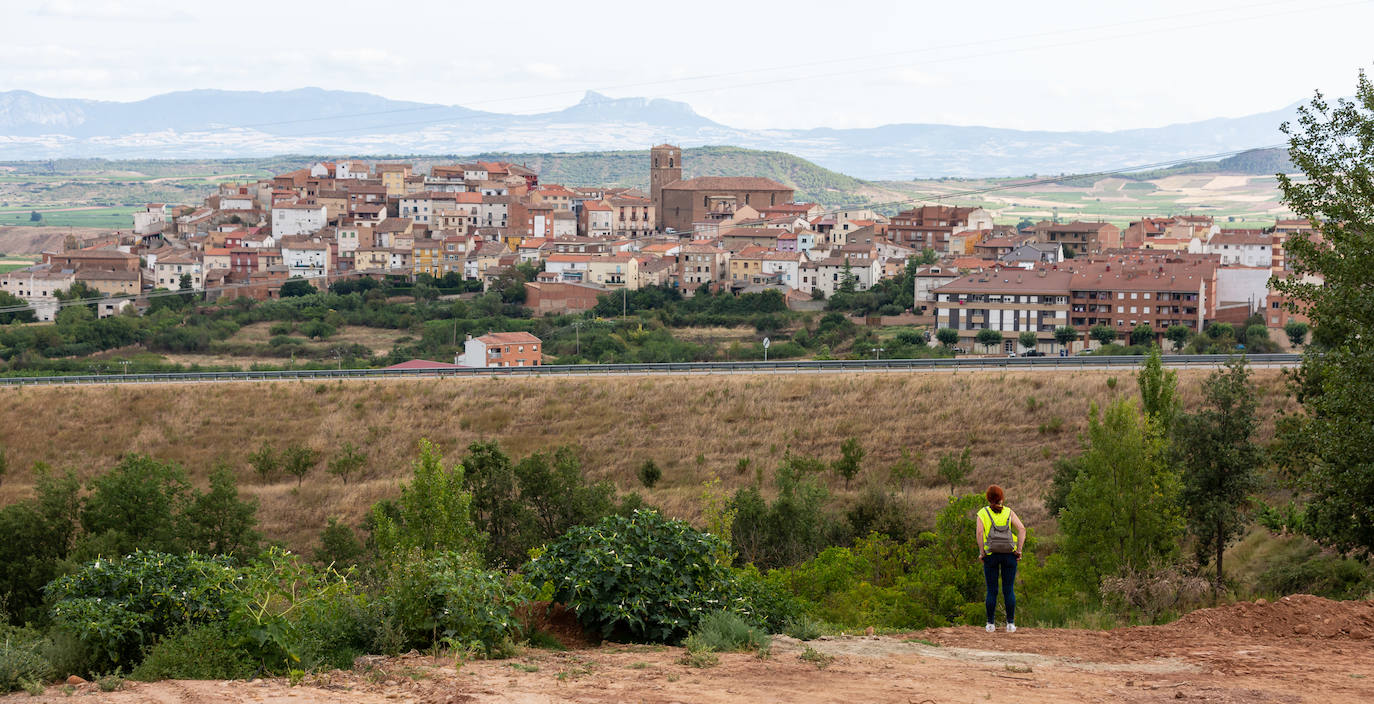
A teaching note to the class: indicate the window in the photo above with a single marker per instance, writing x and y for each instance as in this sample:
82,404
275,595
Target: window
1120,296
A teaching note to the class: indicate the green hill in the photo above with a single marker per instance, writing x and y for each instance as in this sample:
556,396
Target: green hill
631,168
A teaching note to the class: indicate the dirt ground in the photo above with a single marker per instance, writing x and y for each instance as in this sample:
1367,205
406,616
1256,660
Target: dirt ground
1297,649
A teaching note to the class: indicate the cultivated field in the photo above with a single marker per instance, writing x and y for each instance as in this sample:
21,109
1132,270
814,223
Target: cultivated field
693,427
1235,200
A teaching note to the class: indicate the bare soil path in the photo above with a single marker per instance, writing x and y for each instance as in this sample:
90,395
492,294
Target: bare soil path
1298,649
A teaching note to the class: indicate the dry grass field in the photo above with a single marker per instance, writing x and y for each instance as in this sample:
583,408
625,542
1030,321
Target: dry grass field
693,427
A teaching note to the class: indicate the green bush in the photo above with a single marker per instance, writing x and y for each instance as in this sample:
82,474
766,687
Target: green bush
290,615
282,328
449,599
21,658
1321,575
803,627
725,632
641,577
119,607
207,652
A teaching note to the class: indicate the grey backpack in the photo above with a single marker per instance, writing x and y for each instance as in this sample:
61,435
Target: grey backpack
999,538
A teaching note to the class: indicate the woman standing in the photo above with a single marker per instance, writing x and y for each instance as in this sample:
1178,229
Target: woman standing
1000,535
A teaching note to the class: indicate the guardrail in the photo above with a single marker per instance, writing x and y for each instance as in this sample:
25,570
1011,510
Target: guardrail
784,366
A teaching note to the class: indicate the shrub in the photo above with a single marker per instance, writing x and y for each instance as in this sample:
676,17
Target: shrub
207,652
803,627
725,632
21,658
118,607
1322,575
649,474
289,615
1155,591
281,329
642,577
449,599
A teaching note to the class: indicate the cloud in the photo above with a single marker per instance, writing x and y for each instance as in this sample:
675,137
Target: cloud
109,10
543,70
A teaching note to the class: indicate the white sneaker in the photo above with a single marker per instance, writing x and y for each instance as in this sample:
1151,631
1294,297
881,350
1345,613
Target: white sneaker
1011,628
992,628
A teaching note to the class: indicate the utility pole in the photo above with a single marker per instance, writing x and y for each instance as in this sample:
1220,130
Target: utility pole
878,352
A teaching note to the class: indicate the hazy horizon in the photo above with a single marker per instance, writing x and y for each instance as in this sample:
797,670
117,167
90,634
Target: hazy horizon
1068,67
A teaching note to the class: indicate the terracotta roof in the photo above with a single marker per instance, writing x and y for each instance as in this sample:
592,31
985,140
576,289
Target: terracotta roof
727,183
509,338
424,364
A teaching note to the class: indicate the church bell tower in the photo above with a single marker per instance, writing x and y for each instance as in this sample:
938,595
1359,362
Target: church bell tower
665,167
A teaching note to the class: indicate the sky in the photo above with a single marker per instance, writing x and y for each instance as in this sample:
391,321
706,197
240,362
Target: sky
1054,65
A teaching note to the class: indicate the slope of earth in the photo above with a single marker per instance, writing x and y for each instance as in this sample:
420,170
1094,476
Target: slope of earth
1014,423
1200,659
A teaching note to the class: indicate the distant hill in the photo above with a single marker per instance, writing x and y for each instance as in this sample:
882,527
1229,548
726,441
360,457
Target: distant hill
631,168
230,124
1255,162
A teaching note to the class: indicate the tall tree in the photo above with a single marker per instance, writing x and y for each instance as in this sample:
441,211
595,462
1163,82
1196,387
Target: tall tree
1065,336
850,461
219,522
1333,145
1220,460
955,468
1122,510
1158,390
1028,339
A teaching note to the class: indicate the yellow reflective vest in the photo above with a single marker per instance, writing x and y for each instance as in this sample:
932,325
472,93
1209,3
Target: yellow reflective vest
989,519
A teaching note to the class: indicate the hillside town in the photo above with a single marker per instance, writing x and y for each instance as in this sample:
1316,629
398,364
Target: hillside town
472,223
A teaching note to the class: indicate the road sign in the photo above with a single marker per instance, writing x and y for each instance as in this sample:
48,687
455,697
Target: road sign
766,342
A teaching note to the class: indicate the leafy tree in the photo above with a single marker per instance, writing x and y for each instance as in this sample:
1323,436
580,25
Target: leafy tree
649,474
296,287
35,216
1028,339
850,461
338,545
14,309
1178,334
552,486
1218,331
185,282
794,527
299,460
497,511
349,462
1104,334
265,462
988,337
1158,390
1220,460
1122,510
955,468
948,337
221,523
78,291
1142,335
1296,331
137,504
1065,336
1330,285
432,514
906,470
38,536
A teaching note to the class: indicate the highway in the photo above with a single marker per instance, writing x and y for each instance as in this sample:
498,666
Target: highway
973,364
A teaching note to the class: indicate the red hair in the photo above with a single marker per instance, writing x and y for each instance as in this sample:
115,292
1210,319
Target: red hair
995,495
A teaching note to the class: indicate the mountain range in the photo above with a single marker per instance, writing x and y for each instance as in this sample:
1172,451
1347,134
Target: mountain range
224,124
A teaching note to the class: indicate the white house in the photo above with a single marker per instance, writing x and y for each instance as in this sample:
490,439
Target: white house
1242,248
830,271
572,268
291,219
350,170
306,259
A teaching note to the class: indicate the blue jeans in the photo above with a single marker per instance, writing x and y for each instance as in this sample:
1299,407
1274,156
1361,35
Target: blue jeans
1005,565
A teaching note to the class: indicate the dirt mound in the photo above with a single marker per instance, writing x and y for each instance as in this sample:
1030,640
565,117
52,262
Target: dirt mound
1297,615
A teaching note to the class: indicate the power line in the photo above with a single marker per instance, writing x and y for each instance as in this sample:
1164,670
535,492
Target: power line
889,204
